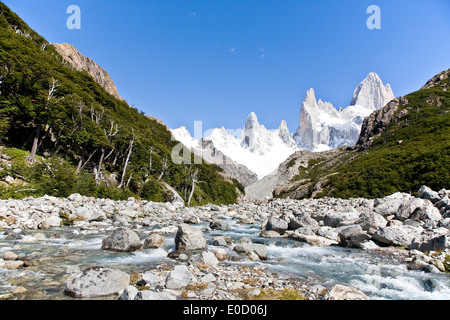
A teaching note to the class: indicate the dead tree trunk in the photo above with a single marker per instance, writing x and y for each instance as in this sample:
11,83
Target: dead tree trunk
130,150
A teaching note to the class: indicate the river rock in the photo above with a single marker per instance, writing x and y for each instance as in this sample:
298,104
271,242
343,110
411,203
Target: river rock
89,214
129,293
153,241
190,238
353,236
429,214
97,282
426,193
179,278
408,206
436,240
255,251
396,235
336,219
276,224
389,205
208,258
340,292
303,220
122,239
153,295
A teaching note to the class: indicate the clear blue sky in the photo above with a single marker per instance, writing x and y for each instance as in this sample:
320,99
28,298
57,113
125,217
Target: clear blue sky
219,60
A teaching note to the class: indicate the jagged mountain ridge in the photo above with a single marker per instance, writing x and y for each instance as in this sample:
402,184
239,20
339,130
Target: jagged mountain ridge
321,127
402,146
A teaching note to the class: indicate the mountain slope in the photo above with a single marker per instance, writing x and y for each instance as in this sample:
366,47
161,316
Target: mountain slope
403,146
64,133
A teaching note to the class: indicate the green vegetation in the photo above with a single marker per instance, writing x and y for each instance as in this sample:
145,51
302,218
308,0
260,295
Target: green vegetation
66,134
411,153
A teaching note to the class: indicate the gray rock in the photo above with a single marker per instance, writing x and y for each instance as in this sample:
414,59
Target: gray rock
190,238
429,214
438,240
276,224
152,295
89,214
407,208
426,193
389,205
352,236
129,293
148,279
303,220
336,219
122,239
208,258
218,225
97,282
396,235
340,292
251,249
179,278
371,221
153,241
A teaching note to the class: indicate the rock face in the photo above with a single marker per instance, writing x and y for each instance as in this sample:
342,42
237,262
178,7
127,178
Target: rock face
122,239
97,282
190,238
79,62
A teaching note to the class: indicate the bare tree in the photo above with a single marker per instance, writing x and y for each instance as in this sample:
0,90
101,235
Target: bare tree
113,130
130,150
164,167
193,174
53,87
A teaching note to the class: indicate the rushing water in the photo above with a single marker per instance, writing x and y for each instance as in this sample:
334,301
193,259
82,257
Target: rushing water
66,249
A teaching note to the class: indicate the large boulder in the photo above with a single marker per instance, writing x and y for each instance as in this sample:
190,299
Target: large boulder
190,238
303,220
389,205
352,236
436,240
428,213
396,235
89,214
371,221
408,206
122,239
97,282
426,193
276,224
336,219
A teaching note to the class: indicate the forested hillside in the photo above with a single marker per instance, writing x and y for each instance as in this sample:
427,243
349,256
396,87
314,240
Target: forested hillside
62,133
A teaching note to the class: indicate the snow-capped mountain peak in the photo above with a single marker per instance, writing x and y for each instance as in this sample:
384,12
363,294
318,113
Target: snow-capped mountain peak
323,127
372,94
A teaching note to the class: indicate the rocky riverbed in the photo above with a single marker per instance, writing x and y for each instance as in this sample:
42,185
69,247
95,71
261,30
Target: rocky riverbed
396,247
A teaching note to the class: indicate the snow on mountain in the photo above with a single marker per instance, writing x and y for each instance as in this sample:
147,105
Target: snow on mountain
323,127
259,149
